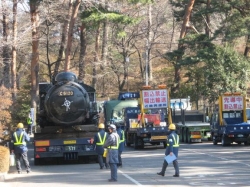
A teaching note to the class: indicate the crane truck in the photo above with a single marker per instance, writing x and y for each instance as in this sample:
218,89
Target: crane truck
229,121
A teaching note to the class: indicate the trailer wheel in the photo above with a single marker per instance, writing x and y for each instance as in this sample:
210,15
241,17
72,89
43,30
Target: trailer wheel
128,144
187,136
246,143
182,135
164,144
37,161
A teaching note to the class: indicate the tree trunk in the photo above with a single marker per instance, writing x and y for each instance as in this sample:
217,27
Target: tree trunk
6,48
70,34
35,55
82,63
208,19
177,76
96,59
247,49
13,64
65,30
149,38
104,48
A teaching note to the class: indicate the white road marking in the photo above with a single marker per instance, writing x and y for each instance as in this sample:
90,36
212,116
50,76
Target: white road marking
130,178
235,161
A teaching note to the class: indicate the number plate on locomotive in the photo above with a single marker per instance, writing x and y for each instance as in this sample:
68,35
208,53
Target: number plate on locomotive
70,148
65,93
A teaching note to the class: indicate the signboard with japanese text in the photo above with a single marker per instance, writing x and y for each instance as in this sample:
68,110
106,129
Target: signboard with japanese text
155,98
232,103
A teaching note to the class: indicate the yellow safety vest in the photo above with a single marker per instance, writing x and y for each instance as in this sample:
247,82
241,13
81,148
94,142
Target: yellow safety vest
176,142
123,137
117,143
20,140
100,138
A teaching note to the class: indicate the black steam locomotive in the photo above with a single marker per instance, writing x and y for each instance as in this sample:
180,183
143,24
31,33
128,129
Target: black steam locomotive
66,102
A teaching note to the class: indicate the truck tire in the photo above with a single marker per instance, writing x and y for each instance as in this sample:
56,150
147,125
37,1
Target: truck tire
246,143
214,140
135,142
140,143
224,141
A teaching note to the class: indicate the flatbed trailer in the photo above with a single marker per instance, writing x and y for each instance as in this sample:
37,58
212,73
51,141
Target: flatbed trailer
192,126
194,131
65,144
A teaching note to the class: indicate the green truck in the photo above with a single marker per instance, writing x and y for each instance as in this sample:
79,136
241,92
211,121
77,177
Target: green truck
113,110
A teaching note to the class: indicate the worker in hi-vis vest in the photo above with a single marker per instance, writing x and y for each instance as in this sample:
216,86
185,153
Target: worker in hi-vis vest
19,147
99,140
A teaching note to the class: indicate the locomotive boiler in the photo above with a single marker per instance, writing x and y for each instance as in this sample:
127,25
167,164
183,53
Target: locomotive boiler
66,102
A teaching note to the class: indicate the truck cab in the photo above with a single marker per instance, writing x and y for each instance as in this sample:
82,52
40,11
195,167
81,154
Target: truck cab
229,121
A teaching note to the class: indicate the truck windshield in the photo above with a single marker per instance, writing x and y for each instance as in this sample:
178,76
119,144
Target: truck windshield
117,115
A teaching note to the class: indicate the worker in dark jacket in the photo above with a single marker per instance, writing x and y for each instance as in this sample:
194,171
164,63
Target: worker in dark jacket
18,146
112,144
121,134
99,140
172,148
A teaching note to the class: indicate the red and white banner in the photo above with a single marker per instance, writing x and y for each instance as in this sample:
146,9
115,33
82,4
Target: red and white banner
232,103
155,98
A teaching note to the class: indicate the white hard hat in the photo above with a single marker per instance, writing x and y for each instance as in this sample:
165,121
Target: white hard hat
112,126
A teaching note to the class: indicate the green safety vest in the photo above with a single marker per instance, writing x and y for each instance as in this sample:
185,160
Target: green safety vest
123,137
20,140
176,142
100,138
29,121
117,143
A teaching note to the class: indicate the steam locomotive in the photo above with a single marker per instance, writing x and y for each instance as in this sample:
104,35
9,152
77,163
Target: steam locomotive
66,102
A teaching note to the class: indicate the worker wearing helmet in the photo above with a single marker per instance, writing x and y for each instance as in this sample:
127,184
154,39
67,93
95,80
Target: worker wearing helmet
112,144
121,134
99,140
18,146
172,148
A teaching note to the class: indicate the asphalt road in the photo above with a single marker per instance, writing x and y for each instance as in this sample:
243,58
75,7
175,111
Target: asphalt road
201,164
